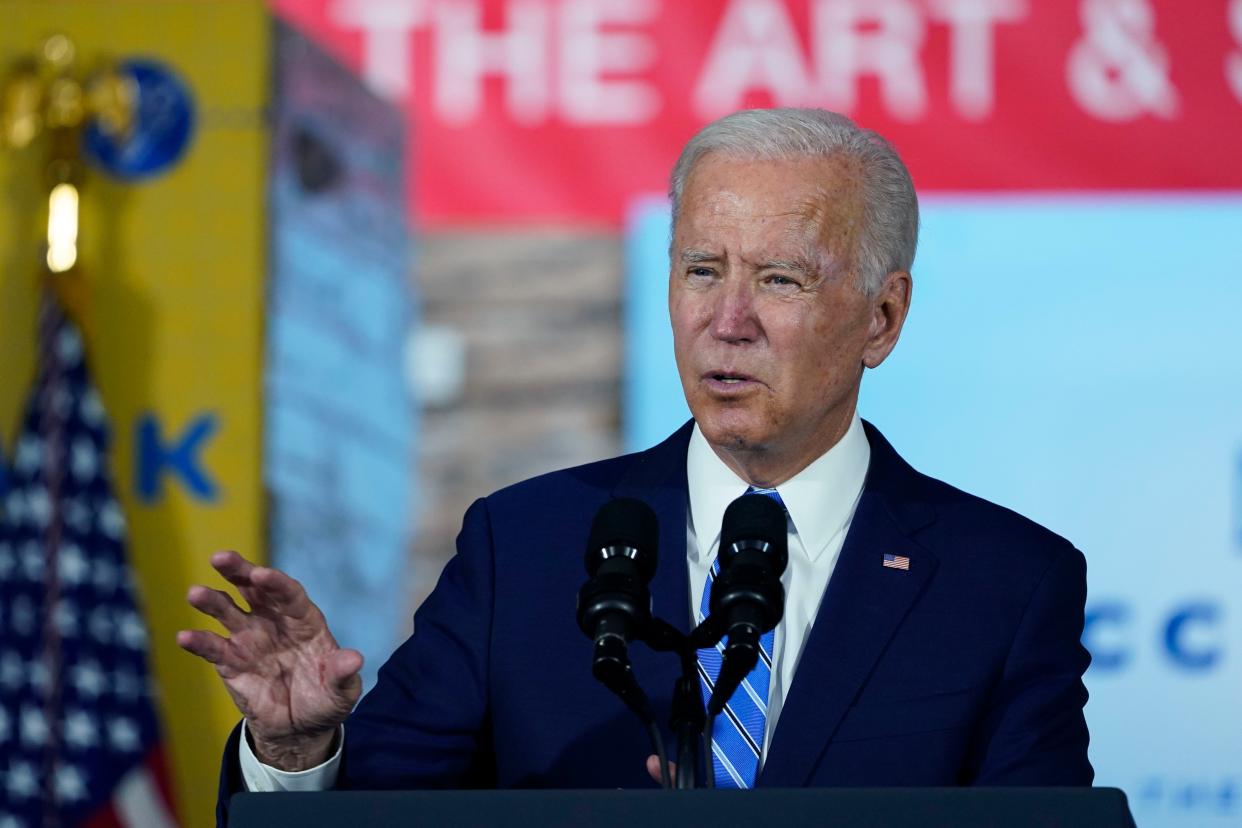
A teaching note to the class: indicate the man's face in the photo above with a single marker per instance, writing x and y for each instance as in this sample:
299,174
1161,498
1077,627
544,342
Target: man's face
770,330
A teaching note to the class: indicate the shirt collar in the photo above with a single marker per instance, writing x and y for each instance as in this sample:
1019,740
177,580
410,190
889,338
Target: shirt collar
820,499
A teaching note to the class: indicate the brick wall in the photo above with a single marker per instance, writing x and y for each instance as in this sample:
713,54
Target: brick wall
540,313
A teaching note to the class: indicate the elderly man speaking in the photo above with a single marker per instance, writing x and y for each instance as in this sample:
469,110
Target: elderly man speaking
929,637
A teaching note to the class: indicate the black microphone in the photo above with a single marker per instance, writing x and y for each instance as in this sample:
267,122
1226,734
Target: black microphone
614,606
747,596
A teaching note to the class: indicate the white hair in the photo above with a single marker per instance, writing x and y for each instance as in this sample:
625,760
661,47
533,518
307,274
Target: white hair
890,208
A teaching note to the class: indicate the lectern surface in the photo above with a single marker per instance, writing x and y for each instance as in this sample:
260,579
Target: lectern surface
800,808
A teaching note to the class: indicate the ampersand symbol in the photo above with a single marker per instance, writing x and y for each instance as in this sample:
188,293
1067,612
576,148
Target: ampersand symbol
1117,70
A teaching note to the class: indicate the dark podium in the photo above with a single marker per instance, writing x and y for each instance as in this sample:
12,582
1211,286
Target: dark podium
772,808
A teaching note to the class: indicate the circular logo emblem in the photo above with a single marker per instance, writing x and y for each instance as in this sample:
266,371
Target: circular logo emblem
163,122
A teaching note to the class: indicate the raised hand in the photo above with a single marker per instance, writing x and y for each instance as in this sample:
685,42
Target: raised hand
280,662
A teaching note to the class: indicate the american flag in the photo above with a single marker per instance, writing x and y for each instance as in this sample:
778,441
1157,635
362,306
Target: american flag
896,561
79,740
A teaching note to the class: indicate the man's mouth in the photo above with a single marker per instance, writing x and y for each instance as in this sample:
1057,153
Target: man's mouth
726,379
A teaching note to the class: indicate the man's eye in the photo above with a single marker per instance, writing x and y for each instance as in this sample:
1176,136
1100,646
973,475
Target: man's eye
702,272
780,280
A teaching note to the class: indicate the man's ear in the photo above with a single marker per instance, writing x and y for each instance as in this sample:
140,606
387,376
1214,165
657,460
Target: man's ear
888,314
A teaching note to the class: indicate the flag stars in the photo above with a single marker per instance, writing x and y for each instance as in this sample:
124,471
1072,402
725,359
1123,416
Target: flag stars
32,561
71,567
80,730
12,671
87,678
21,780
69,347
111,520
91,408
131,631
39,506
69,783
122,735
33,727
15,507
83,459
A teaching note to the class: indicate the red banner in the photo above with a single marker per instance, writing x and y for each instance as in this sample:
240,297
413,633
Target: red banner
561,110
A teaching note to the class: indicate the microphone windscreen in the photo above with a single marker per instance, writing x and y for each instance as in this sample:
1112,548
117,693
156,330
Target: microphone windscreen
755,517
625,522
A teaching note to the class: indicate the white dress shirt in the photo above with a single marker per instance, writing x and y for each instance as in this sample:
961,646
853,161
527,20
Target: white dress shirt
820,501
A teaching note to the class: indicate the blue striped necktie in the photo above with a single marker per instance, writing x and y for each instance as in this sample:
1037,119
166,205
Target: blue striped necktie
737,736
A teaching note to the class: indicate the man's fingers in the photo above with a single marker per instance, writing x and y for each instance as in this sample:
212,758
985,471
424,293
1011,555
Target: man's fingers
232,566
653,769
219,605
206,645
262,586
343,665
236,570
341,673
279,591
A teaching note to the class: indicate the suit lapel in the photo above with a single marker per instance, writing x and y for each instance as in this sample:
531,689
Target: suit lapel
862,608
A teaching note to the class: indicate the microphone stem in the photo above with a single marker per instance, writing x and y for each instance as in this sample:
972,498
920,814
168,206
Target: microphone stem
688,720
657,742
710,758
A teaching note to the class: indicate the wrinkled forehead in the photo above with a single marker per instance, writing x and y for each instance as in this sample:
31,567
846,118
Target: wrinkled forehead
803,201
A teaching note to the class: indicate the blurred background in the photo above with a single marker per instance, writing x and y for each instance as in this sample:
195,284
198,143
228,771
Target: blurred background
304,278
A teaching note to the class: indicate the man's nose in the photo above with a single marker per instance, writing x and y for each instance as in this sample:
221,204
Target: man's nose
733,317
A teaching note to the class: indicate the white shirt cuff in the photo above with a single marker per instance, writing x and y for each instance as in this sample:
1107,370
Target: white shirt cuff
261,777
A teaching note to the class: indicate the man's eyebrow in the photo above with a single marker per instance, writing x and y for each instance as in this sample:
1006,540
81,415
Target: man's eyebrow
691,256
796,265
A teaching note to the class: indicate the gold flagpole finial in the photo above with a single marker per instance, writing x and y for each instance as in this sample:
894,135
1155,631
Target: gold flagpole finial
45,95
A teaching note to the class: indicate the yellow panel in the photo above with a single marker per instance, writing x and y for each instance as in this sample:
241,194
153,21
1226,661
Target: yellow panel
173,269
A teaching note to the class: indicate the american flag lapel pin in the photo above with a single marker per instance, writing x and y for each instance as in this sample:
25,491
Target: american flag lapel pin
896,562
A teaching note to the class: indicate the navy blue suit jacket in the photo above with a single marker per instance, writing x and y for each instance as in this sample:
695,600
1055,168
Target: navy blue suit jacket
965,669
